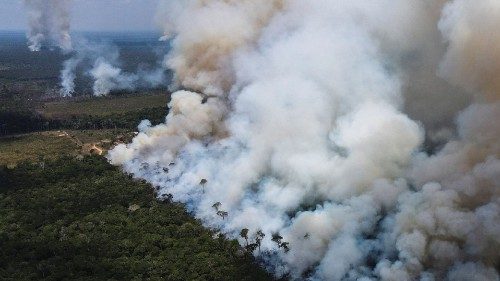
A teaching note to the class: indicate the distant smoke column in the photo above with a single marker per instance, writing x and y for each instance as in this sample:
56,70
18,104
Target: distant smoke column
104,76
49,24
105,70
68,76
108,77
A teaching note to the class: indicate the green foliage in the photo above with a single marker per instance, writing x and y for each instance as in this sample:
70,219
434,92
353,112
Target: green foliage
85,220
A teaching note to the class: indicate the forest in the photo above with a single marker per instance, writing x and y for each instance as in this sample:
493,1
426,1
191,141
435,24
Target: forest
66,214
83,219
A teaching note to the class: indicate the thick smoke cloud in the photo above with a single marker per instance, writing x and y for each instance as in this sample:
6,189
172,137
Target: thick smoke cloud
49,24
312,125
207,34
472,60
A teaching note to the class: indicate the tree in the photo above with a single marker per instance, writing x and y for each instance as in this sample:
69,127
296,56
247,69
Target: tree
244,234
216,206
222,214
259,235
70,219
251,247
285,247
278,239
168,197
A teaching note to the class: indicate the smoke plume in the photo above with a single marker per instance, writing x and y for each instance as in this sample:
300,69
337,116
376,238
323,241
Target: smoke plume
101,62
49,24
311,131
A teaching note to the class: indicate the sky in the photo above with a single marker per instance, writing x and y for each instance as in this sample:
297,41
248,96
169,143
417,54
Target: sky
90,15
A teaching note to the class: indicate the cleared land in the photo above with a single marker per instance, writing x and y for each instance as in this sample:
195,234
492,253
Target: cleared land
51,145
102,106
33,147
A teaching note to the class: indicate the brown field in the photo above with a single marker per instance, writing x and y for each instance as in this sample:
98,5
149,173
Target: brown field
39,146
34,147
102,106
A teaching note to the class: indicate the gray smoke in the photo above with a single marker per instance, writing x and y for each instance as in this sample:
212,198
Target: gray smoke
101,62
314,128
49,24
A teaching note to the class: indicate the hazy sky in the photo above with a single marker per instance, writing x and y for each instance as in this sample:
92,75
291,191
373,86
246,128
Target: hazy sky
103,15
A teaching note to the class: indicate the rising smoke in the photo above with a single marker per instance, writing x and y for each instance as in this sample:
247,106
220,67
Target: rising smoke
314,128
49,24
101,62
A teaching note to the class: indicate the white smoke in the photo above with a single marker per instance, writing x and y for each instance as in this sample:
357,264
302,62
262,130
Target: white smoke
101,62
302,130
49,24
107,77
68,76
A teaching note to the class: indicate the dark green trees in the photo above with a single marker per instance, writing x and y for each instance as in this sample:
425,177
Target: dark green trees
73,220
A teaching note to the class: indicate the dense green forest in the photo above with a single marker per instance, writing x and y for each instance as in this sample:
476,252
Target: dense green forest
70,219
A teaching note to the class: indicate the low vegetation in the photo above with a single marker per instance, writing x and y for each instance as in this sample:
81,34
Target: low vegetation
34,147
115,112
103,106
51,145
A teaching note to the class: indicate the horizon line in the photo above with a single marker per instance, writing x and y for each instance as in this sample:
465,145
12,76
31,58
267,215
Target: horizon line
89,30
